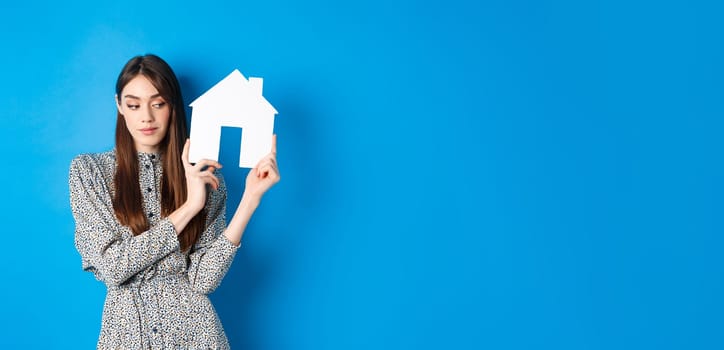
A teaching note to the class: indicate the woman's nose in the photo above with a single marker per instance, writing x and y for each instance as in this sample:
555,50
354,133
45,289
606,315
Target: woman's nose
148,115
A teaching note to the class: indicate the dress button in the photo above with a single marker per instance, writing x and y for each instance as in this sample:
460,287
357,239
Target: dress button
154,330
153,156
148,166
150,215
148,190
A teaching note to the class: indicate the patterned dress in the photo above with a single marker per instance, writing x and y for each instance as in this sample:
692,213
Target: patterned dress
156,294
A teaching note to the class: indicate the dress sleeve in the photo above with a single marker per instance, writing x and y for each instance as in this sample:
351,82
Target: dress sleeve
212,255
98,238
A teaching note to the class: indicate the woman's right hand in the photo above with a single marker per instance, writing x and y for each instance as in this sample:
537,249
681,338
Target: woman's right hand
197,177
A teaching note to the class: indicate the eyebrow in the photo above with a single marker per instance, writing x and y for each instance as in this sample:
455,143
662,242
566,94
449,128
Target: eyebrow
138,98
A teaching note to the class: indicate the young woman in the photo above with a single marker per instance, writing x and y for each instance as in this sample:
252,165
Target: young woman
152,226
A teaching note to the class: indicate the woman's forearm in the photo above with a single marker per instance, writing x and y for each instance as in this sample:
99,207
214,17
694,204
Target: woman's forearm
182,216
243,213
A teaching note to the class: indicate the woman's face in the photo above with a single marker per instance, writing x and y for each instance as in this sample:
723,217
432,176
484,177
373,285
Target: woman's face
146,113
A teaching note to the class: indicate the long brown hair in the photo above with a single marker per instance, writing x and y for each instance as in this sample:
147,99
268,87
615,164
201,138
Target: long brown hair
127,201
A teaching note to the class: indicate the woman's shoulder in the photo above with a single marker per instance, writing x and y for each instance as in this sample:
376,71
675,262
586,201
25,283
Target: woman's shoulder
86,162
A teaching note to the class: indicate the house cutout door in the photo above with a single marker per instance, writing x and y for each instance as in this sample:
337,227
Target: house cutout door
229,149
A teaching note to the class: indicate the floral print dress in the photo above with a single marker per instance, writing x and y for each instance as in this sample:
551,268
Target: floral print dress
156,294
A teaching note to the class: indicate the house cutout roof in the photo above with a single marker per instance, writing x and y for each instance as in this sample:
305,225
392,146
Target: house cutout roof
235,85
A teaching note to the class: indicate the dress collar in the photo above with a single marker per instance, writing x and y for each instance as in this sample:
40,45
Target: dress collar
154,157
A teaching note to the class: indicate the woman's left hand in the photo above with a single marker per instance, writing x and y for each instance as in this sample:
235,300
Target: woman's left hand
264,175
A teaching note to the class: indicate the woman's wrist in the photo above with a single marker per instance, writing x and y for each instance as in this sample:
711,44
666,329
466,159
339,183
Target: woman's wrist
249,201
193,208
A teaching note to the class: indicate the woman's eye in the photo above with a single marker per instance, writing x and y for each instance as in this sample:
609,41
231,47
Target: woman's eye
159,105
132,107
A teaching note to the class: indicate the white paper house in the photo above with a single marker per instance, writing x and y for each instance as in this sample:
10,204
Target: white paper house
235,102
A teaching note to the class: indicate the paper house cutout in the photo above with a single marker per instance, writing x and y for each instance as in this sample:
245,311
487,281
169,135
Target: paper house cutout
236,102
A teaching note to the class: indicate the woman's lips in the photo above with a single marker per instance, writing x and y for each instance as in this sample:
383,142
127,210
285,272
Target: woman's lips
148,131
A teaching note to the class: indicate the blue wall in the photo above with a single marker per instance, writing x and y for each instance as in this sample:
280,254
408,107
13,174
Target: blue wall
455,175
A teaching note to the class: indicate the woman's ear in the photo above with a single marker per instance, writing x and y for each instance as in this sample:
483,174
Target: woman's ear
118,104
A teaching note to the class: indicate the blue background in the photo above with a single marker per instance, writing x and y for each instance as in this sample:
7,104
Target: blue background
455,175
